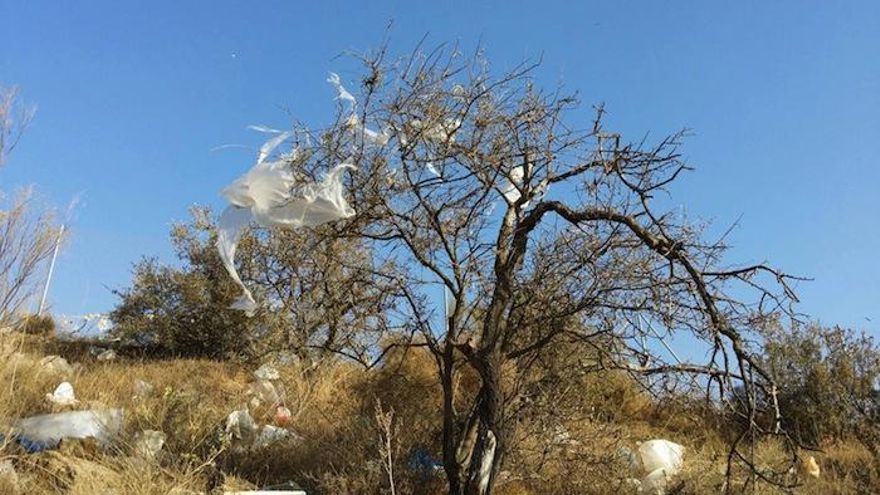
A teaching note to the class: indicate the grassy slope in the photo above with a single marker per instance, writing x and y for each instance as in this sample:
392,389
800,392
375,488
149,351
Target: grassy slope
332,406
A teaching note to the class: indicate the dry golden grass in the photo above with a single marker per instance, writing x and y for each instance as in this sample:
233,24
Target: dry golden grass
332,404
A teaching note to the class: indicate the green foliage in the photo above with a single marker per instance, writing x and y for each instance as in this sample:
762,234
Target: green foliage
37,325
184,311
316,291
828,382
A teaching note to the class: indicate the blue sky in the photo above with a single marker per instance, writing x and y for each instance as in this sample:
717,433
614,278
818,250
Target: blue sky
783,99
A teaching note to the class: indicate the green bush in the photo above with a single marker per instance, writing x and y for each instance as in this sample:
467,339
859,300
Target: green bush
37,325
828,382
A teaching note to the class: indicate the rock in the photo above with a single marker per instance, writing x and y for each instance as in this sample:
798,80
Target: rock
108,355
149,443
267,372
63,395
57,365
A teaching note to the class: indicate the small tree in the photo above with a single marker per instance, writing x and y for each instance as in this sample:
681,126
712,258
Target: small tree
14,119
320,292
27,231
539,231
830,383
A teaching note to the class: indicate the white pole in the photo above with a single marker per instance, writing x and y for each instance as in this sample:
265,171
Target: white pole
445,311
51,270
663,341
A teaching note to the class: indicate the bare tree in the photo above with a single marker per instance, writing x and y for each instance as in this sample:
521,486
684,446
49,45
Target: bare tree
27,231
14,119
27,239
538,232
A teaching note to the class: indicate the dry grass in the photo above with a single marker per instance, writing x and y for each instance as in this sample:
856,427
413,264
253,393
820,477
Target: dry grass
332,405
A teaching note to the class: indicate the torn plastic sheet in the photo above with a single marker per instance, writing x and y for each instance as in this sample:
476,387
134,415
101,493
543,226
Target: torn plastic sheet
439,132
342,93
46,431
371,137
510,188
265,194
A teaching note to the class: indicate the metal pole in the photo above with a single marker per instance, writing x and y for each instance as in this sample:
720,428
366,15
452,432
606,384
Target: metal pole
51,270
445,311
668,348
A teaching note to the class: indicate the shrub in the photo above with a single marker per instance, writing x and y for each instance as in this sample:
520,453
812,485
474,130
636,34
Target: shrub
37,325
828,380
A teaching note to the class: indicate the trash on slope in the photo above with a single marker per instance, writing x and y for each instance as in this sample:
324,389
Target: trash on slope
661,459
108,355
267,372
63,395
57,365
46,431
149,443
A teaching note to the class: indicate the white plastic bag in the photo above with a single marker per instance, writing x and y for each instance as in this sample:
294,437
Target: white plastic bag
49,429
149,443
63,395
265,194
661,454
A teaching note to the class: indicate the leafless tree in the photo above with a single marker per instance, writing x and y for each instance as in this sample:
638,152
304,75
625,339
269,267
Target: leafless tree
14,119
539,232
27,231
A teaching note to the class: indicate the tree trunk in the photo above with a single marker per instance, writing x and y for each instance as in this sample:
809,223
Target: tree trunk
489,449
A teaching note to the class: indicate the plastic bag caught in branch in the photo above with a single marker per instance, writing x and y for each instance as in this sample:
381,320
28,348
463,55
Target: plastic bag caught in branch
342,93
371,137
265,194
510,187
232,222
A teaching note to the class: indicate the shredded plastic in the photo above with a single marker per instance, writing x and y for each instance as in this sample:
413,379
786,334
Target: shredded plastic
342,93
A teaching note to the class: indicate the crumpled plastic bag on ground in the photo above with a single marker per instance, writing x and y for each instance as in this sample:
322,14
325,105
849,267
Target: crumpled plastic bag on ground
661,454
149,443
661,459
267,372
108,355
63,395
271,434
240,427
49,429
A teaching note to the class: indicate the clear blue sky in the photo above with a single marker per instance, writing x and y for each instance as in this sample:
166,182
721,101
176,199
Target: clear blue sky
783,98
